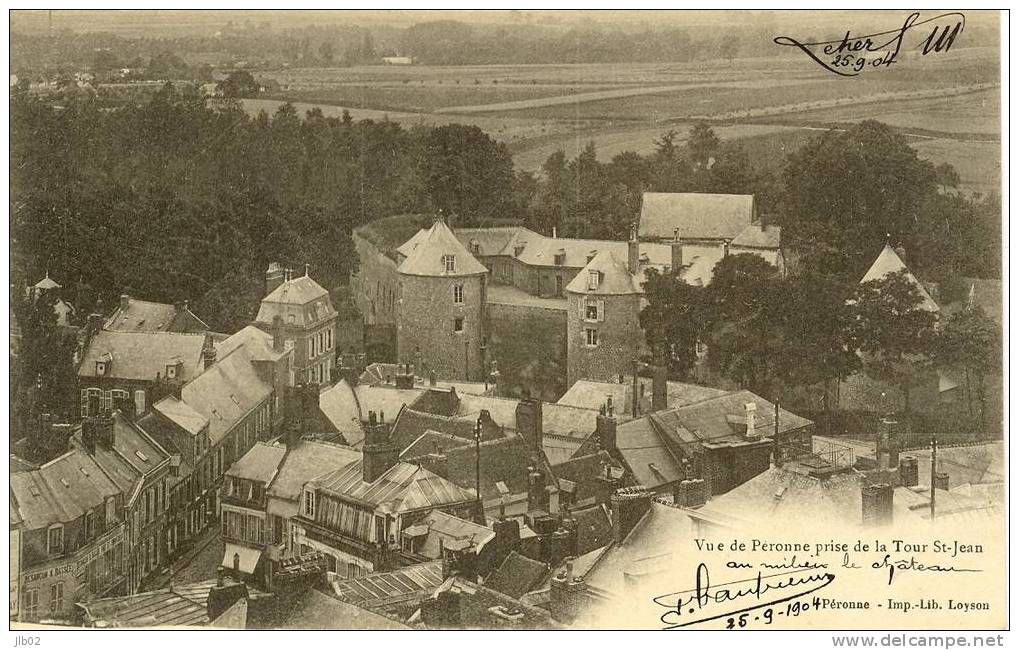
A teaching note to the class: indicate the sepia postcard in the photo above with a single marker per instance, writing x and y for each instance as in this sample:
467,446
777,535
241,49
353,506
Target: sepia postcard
525,319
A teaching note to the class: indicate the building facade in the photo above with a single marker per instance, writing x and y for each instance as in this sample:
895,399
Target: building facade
303,312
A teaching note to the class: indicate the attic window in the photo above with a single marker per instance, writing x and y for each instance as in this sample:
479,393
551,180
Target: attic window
593,279
560,257
100,368
449,263
141,456
64,482
233,398
290,319
84,472
475,247
171,371
518,249
34,490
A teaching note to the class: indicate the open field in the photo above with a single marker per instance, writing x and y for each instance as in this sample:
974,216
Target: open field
771,106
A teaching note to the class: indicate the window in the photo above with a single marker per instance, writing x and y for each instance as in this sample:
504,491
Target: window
309,504
290,318
329,339
591,311
449,263
31,600
117,397
458,324
591,337
57,598
593,279
111,510
55,539
458,294
90,525
100,368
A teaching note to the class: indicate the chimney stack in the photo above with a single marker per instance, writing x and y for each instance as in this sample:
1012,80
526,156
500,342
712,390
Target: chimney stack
677,258
274,277
628,506
223,595
208,355
378,452
277,333
140,402
940,480
125,302
568,595
633,252
877,504
605,427
88,434
104,433
529,421
909,471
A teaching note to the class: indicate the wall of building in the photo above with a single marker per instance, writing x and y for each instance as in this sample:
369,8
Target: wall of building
375,286
425,325
529,346
620,338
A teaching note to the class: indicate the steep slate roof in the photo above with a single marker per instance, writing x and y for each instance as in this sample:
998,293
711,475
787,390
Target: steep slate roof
757,236
402,488
503,460
498,240
314,610
697,216
174,605
307,460
141,355
46,283
258,343
145,316
226,392
594,528
132,456
542,251
424,257
584,471
592,395
181,414
61,490
658,535
406,581
888,262
517,575
708,420
646,454
259,464
615,278
447,528
431,442
302,298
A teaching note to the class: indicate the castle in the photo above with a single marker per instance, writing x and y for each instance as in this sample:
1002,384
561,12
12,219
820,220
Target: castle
443,299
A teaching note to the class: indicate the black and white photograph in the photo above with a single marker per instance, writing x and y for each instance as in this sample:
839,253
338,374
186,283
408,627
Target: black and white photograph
513,319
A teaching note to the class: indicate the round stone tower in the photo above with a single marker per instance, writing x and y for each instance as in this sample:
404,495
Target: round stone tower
440,322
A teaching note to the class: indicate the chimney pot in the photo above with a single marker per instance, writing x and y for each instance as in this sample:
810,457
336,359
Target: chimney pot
125,302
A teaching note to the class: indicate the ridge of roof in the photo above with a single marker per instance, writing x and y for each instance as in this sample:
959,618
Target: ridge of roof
425,257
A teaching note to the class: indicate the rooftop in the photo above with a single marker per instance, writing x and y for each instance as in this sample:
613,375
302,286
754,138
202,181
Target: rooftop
298,301
314,610
172,606
305,461
404,487
449,530
260,464
426,254
143,355
888,262
61,490
517,575
694,215
614,277
384,586
181,414
145,316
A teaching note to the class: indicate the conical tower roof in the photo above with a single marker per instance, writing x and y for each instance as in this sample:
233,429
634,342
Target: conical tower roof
426,254
888,262
614,278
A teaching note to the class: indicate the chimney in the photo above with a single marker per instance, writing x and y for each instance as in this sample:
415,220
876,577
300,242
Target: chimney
507,538
909,471
628,506
277,333
529,421
431,378
633,252
95,323
139,402
750,408
125,302
378,452
605,427
659,388
693,493
225,594
535,489
877,504
887,443
104,433
405,378
88,435
568,595
554,236
941,481
273,277
677,258
208,356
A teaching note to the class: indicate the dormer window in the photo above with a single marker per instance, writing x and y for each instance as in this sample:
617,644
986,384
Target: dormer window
518,249
100,368
475,247
560,257
593,279
55,539
591,255
309,504
449,263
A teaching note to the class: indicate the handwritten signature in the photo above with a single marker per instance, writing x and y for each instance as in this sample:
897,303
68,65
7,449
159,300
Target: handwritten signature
850,55
701,602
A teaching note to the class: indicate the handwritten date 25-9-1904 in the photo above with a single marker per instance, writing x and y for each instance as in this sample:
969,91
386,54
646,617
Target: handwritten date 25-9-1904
767,615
